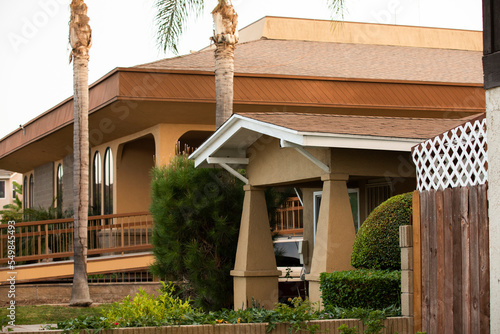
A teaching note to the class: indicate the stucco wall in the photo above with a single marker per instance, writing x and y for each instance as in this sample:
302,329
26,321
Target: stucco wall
44,186
134,163
493,123
270,164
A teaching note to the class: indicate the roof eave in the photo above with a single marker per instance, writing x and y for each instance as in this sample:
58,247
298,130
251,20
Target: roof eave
219,144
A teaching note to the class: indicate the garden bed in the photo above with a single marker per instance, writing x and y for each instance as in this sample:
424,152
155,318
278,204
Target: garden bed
400,325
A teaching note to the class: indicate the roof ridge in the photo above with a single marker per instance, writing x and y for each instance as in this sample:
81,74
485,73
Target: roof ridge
284,113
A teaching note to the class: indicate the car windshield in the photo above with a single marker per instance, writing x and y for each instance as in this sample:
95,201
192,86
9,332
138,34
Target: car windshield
287,254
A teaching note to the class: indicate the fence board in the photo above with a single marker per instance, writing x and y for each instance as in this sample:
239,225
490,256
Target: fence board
440,260
417,263
474,260
464,222
448,259
457,263
433,267
424,227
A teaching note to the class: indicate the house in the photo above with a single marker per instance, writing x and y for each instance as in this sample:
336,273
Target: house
7,190
345,104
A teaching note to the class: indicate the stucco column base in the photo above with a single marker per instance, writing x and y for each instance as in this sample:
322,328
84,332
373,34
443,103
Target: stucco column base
314,290
255,274
259,291
335,233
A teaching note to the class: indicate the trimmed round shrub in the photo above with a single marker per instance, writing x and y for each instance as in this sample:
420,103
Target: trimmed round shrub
377,243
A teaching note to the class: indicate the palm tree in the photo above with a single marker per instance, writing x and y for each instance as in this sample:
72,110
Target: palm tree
80,38
171,19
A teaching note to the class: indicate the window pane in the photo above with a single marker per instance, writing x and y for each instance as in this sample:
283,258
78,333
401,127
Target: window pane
96,184
2,189
287,254
353,198
108,182
59,188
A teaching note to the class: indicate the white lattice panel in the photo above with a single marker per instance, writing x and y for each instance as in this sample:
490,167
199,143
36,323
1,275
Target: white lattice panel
457,158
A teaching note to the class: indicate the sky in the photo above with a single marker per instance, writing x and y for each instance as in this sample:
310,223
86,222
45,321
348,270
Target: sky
34,49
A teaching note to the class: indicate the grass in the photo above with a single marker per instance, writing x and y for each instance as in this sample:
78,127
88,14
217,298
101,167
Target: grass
48,314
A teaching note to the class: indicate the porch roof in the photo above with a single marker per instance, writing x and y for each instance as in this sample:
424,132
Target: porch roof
230,142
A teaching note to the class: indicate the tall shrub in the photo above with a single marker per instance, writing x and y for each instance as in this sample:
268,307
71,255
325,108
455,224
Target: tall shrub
377,243
197,214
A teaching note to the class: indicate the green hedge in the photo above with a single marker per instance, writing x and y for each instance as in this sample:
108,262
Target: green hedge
374,289
377,243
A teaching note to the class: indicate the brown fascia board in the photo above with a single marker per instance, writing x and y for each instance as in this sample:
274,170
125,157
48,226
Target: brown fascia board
21,143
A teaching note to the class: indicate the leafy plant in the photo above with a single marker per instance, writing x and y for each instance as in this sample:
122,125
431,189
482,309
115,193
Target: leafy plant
297,315
149,310
85,322
344,329
375,289
374,322
376,245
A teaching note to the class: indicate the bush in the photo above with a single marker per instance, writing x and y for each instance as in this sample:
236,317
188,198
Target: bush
373,289
197,213
377,243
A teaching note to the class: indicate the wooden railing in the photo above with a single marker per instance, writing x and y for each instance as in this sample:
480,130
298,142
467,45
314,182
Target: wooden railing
52,240
289,217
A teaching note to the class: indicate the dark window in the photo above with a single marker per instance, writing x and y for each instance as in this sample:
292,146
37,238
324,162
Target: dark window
287,254
59,188
96,184
108,182
25,192
31,192
2,189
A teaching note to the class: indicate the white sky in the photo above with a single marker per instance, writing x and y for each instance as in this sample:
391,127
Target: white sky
34,49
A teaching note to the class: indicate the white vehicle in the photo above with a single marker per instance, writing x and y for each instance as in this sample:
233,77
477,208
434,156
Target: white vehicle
286,250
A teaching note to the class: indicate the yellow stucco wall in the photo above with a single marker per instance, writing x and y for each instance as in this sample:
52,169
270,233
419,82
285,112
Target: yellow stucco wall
362,33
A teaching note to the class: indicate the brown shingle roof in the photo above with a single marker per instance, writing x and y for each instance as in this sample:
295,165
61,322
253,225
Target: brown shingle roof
394,127
336,60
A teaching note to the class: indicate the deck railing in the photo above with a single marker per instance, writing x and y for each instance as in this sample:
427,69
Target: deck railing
289,217
52,240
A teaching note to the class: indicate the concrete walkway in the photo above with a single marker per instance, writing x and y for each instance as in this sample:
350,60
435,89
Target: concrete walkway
25,328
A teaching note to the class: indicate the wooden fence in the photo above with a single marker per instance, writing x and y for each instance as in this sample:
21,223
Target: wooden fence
451,260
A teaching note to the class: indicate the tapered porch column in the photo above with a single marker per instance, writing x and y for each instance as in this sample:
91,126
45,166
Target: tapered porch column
335,232
255,274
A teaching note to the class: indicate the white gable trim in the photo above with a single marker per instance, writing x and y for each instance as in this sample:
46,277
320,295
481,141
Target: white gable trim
227,141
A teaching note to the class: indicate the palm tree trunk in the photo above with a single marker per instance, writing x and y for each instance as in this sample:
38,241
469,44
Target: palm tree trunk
80,39
225,38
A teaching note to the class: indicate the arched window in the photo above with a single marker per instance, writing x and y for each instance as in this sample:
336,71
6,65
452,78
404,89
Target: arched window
96,184
31,192
59,188
25,192
108,182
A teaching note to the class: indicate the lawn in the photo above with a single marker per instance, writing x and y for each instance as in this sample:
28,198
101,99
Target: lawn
48,314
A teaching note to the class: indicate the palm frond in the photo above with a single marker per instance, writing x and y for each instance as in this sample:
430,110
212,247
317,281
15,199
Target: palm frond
336,8
171,20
